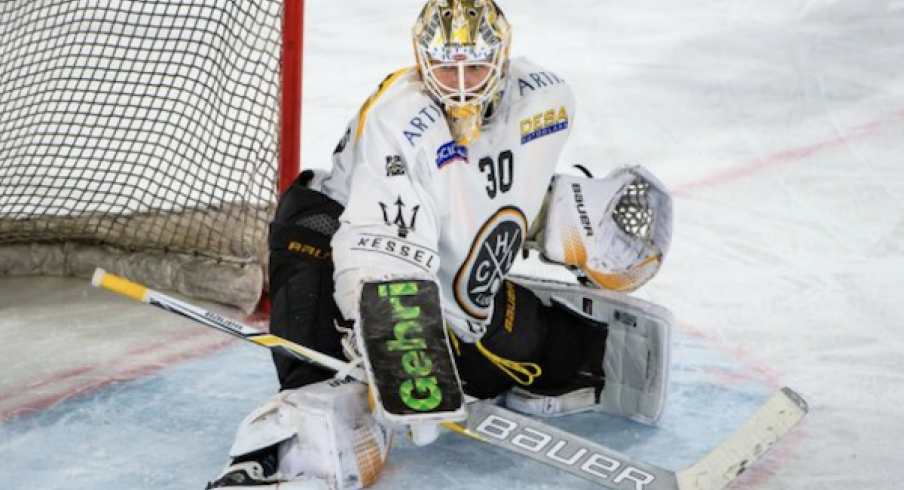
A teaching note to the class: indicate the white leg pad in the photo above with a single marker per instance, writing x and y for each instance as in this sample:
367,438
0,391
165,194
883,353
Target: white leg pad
268,425
636,362
527,402
326,433
636,366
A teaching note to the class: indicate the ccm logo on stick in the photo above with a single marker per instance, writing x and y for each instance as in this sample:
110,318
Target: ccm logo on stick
552,447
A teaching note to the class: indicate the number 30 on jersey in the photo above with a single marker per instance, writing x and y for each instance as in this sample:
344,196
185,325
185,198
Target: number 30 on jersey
500,173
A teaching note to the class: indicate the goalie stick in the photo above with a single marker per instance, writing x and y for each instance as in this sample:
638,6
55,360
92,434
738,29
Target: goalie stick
534,439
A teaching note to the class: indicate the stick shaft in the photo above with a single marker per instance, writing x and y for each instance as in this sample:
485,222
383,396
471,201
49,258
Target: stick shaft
119,285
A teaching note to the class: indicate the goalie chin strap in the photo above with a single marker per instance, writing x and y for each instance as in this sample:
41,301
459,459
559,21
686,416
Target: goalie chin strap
524,373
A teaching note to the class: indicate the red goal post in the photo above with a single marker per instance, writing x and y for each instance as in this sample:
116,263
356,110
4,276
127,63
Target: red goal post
150,138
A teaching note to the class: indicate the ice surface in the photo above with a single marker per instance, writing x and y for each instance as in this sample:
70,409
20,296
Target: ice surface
780,126
171,430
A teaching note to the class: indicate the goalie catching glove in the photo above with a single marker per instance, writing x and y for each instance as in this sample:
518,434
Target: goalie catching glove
616,230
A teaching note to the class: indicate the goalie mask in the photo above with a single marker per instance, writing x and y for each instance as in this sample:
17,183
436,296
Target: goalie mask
462,49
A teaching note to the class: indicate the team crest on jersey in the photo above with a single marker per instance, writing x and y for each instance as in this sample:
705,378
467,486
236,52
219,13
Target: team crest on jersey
544,124
492,254
451,152
399,217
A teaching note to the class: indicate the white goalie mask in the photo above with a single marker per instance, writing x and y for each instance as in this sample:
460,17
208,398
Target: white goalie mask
462,49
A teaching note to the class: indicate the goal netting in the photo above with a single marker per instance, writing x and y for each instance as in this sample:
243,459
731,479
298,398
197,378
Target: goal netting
143,137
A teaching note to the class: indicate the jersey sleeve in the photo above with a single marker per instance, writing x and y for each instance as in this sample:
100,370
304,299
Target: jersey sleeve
390,227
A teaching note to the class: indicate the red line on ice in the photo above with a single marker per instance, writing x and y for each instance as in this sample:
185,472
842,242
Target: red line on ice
134,363
788,156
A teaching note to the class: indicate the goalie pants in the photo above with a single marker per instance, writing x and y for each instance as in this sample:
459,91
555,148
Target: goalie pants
523,330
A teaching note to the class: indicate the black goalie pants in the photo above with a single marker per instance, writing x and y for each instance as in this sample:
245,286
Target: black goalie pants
523,330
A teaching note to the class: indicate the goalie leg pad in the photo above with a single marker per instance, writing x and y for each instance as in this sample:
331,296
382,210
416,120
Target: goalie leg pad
635,359
527,343
516,332
325,437
636,364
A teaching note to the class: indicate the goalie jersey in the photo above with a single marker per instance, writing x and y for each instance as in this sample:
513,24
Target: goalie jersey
418,204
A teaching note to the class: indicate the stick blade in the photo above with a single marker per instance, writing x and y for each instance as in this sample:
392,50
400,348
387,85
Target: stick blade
756,437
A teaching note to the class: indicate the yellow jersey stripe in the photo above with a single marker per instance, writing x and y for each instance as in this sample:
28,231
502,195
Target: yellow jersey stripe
362,115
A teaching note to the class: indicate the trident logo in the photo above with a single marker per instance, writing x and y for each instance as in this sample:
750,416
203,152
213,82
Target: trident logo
399,221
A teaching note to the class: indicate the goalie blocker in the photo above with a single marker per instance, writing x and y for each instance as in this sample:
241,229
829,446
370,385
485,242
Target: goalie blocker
406,352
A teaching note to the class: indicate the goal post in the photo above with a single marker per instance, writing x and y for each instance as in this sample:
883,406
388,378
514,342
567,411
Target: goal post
292,76
148,137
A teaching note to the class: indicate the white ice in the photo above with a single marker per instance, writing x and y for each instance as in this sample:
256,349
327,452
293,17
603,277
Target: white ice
779,125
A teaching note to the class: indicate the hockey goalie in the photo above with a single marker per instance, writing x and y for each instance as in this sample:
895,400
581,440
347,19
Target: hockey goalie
398,261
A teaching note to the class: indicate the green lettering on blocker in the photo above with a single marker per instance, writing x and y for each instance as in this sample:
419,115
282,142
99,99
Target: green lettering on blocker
397,289
403,341
420,392
416,363
402,312
411,389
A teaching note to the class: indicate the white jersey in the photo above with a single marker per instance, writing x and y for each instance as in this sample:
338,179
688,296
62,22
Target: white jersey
420,205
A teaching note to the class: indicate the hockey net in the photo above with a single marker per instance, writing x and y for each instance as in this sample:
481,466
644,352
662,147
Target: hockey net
144,137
